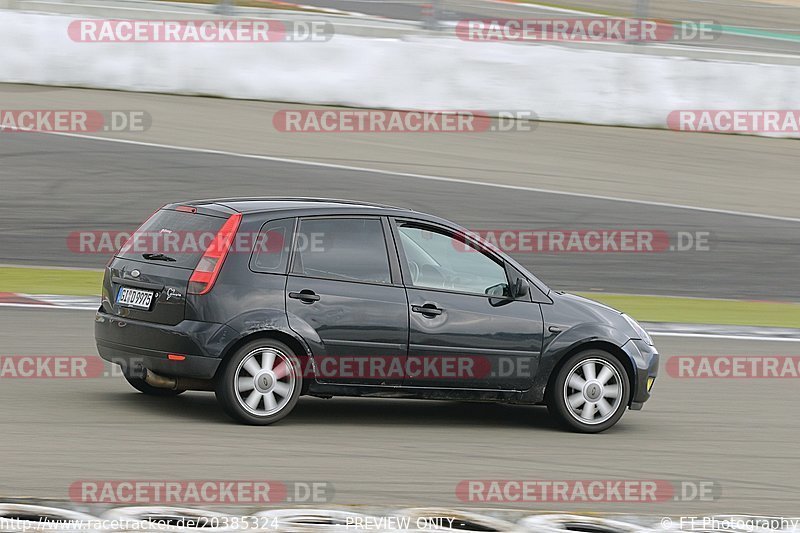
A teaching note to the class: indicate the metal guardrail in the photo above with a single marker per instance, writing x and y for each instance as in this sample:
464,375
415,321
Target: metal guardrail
365,26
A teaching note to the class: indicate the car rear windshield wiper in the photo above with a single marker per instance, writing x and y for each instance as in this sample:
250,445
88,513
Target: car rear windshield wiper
159,257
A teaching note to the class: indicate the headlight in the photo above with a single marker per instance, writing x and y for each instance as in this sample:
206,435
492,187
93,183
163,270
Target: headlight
640,331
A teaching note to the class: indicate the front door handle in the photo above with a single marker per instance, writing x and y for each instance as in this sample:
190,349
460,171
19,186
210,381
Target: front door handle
306,296
427,309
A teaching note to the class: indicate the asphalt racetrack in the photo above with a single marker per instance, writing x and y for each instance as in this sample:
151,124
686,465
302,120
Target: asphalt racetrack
739,434
55,186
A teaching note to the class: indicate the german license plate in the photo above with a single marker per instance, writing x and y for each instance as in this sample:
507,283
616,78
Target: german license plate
136,298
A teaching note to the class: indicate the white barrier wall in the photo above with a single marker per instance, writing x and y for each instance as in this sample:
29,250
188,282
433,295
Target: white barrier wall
557,83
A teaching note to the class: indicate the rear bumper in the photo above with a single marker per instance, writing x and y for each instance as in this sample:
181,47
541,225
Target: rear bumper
645,359
136,345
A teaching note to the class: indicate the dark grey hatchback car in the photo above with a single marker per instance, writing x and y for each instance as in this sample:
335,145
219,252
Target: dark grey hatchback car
262,300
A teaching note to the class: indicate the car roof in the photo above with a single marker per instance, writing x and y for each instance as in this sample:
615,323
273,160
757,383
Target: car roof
302,206
268,203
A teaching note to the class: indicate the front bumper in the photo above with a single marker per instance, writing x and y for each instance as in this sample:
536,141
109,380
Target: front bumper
645,359
136,345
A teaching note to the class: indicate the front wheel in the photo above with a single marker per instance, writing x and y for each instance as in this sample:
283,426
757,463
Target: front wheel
590,392
260,383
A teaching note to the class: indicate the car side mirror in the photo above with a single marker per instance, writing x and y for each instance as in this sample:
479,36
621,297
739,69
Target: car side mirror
498,290
519,288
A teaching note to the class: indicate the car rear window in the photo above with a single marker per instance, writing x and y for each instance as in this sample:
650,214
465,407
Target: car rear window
181,236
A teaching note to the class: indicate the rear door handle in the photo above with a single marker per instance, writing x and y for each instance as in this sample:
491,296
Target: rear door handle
305,296
427,309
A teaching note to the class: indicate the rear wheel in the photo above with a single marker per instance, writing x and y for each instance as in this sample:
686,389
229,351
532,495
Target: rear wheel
142,386
260,383
590,392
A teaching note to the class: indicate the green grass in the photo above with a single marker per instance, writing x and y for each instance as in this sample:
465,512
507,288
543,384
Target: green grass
702,311
50,281
644,308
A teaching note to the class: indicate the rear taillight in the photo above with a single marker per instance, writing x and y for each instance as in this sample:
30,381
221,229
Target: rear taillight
207,270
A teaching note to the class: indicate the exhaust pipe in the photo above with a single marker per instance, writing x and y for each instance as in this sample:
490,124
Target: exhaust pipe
163,382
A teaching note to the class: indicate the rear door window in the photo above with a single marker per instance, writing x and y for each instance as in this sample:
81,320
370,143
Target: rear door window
342,248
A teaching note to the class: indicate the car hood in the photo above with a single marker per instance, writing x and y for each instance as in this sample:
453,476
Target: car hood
583,310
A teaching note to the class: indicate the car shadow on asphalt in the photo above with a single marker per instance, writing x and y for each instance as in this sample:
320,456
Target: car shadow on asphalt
198,406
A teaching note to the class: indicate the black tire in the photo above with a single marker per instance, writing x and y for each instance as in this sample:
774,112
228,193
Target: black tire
145,388
557,395
234,403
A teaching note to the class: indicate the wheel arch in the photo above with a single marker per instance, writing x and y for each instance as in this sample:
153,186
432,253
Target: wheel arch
597,344
296,344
